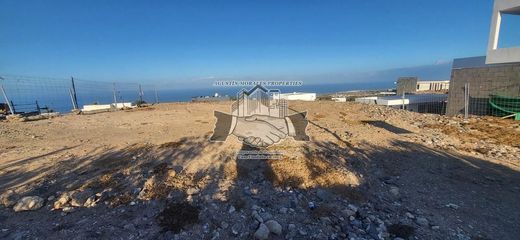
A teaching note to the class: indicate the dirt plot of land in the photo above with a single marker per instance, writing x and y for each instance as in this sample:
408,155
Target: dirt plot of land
368,172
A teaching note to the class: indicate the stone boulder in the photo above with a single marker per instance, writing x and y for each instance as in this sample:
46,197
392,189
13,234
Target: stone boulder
28,203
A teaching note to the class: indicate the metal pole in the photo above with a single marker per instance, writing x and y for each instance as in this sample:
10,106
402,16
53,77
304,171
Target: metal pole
72,99
38,107
115,96
403,99
156,96
9,104
140,94
74,96
466,100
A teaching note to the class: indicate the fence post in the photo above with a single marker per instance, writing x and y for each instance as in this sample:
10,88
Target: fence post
402,97
115,96
9,103
140,94
73,95
38,107
466,101
72,99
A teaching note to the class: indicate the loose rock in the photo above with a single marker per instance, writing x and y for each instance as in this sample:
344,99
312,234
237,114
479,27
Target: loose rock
62,200
274,227
262,233
78,199
394,191
231,209
8,198
422,221
29,203
192,191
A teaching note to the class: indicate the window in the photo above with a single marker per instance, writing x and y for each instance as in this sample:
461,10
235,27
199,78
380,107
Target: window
509,31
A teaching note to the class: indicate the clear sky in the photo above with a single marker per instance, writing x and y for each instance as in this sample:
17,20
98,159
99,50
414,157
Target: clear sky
188,41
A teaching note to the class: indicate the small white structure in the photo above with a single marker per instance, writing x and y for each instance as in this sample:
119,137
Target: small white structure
399,100
366,100
494,53
339,99
100,107
298,96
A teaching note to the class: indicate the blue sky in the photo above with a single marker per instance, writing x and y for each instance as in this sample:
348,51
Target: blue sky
195,42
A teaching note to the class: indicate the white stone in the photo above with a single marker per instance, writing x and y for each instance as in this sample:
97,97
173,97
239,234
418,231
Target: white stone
62,200
28,204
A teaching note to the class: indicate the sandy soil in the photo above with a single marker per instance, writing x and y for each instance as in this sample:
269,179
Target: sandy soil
371,173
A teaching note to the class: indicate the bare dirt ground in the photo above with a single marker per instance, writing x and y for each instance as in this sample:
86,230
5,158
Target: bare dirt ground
369,172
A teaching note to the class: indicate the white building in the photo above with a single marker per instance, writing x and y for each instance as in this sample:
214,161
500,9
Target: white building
298,96
423,103
433,86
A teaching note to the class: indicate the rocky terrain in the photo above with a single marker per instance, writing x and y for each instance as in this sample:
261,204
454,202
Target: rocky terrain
368,172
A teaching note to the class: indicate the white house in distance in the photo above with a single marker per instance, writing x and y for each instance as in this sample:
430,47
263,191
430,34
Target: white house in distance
298,96
433,86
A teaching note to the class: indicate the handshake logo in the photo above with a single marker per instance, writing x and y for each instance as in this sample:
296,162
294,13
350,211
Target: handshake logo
259,118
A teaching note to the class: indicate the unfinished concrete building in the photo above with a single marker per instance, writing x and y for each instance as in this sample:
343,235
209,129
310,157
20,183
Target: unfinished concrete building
474,80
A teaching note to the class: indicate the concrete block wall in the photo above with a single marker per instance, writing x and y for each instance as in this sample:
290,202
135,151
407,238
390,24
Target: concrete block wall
406,85
503,79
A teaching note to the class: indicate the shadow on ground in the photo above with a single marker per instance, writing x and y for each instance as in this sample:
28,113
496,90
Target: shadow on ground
388,127
322,172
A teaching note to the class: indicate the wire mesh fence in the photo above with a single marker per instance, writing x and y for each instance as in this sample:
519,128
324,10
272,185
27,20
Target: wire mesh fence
491,90
466,96
472,92
493,98
32,95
